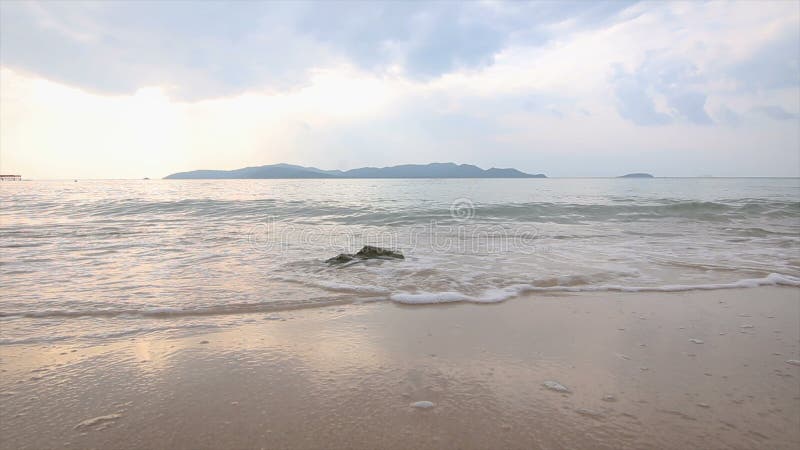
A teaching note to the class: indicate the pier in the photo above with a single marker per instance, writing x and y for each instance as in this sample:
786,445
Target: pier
10,177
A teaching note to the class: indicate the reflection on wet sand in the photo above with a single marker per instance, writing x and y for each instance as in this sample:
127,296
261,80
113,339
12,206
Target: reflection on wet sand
345,377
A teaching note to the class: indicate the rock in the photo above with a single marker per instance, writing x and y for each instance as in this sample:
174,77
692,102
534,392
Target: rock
340,259
556,386
366,252
369,251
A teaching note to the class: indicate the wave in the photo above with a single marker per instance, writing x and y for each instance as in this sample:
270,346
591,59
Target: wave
333,286
398,214
494,295
498,295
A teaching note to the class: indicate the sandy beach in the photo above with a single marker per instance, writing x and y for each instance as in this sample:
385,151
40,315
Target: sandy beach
326,225
673,370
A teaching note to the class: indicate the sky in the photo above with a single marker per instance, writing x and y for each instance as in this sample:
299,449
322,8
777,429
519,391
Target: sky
145,89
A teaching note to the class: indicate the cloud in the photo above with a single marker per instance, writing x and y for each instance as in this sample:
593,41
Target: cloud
635,103
776,112
202,51
424,40
773,65
728,116
215,49
148,88
678,83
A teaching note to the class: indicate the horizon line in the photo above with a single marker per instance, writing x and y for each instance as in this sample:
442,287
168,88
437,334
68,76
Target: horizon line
548,177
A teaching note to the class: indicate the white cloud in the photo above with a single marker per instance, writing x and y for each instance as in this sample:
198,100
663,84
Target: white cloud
672,88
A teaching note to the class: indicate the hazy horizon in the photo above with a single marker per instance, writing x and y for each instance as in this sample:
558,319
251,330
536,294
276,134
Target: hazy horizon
129,90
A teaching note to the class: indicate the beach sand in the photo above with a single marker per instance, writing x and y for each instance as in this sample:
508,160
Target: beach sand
703,369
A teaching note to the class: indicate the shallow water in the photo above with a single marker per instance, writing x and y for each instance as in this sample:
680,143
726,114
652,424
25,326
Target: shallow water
107,259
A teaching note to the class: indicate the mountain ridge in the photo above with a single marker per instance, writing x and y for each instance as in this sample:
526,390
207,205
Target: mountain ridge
291,171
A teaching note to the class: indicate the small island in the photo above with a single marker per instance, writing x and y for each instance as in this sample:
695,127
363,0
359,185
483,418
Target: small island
637,175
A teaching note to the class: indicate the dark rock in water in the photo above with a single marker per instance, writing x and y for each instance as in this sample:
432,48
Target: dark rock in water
340,259
367,252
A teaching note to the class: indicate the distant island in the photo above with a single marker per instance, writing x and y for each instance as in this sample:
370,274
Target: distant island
434,170
637,175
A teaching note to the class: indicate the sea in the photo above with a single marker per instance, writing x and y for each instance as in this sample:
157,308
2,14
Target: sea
98,260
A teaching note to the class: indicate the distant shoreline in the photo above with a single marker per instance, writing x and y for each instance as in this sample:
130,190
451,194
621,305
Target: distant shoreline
610,177
290,171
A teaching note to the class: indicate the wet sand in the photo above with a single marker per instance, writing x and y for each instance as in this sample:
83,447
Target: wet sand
674,370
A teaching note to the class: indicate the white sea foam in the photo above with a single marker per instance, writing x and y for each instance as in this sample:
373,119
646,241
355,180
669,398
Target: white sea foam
431,297
492,295
487,296
498,295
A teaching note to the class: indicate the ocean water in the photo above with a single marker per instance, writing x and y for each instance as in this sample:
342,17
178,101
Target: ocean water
98,260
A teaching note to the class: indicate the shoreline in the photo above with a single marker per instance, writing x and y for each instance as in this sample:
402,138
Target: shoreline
348,296
658,370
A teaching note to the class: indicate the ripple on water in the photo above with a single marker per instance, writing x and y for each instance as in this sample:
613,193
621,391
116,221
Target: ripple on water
424,404
97,422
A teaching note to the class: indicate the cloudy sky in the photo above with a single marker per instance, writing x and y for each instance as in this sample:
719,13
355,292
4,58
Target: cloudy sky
127,90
